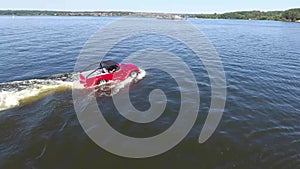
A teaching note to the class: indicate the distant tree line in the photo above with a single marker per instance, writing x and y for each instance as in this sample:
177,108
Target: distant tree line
62,13
291,15
288,15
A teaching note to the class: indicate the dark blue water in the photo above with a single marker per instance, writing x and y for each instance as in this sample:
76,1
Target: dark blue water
43,46
259,128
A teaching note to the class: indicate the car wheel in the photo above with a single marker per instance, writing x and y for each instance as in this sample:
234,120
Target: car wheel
133,74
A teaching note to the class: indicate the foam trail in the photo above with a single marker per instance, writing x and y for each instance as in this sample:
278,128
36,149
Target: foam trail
12,94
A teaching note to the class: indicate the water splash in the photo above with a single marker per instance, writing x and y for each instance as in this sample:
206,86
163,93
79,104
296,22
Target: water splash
113,87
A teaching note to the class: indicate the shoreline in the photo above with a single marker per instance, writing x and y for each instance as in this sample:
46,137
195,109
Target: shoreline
15,16
290,15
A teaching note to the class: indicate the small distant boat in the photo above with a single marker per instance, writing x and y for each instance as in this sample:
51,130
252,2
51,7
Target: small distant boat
13,16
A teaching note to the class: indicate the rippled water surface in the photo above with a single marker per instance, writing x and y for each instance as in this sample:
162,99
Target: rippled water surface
259,128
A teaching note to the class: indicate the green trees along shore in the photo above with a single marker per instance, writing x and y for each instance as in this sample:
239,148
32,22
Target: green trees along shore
291,15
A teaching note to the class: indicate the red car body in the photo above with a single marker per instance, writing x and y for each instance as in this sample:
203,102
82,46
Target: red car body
115,72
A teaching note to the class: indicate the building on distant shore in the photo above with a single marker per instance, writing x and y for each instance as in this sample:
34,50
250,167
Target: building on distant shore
171,17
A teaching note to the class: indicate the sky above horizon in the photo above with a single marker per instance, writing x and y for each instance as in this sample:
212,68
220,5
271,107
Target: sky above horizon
173,6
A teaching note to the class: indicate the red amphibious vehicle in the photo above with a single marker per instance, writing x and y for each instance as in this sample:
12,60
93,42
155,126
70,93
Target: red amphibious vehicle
107,71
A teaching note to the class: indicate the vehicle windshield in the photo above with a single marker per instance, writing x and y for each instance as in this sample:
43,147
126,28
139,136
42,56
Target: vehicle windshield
103,67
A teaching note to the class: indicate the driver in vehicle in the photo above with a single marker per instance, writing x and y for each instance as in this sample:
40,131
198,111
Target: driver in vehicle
104,70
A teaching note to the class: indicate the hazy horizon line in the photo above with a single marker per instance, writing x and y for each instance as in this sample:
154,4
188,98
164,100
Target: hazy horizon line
54,10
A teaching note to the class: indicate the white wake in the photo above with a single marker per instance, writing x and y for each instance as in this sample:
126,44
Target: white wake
12,94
